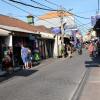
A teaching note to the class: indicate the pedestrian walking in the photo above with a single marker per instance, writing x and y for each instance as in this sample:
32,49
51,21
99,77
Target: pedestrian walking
24,56
69,50
29,58
91,49
79,48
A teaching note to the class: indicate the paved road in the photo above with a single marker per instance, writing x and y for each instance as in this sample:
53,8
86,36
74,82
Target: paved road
55,80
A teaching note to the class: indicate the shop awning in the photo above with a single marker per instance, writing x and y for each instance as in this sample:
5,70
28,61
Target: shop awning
4,32
16,29
47,35
67,36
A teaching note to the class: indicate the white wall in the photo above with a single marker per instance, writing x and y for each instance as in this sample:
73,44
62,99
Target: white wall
8,41
56,22
57,49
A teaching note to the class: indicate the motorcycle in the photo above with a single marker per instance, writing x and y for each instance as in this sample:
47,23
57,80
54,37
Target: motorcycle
80,51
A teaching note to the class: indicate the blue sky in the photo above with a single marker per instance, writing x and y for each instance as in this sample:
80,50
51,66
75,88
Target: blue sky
84,8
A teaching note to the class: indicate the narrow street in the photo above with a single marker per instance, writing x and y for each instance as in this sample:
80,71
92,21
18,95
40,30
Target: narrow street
37,39
56,80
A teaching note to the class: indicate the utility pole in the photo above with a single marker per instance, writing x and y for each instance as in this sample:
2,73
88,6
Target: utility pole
62,28
61,15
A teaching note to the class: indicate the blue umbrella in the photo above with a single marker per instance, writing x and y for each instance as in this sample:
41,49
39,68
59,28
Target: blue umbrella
56,30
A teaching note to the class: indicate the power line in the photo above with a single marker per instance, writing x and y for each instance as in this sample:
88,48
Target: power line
81,26
45,8
66,10
41,4
84,24
88,11
81,23
16,7
26,11
18,2
77,23
52,3
81,16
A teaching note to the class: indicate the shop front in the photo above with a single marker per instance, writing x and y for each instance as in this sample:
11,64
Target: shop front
4,35
46,45
28,40
46,48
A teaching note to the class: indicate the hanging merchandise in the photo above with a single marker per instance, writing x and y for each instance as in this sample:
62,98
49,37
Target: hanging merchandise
36,55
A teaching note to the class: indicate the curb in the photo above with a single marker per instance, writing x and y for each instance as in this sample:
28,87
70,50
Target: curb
2,73
80,86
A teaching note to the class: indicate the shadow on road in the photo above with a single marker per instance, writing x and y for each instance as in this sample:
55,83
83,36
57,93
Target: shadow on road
24,73
95,62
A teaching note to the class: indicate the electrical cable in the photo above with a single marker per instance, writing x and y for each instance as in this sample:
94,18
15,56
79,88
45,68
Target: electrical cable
26,12
18,2
52,3
79,25
66,10
41,4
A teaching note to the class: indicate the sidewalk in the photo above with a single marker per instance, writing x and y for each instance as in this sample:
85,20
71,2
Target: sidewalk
91,89
43,63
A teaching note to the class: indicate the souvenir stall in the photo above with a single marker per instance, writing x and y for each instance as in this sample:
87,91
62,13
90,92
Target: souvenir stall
46,45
